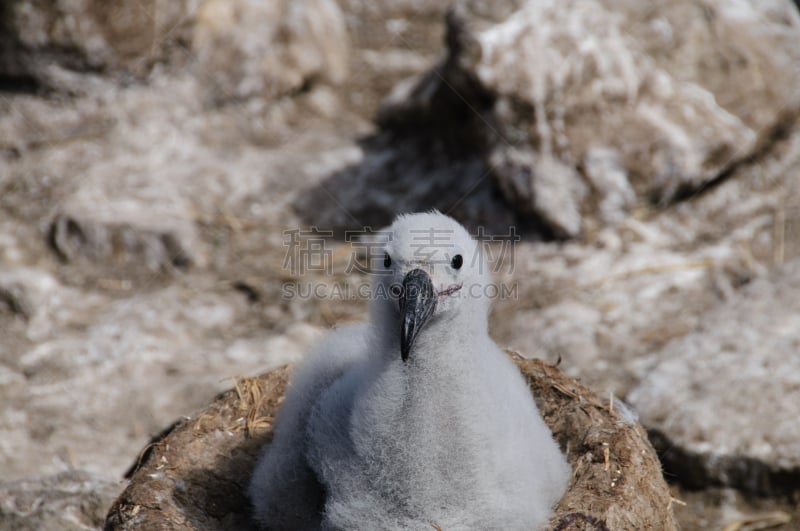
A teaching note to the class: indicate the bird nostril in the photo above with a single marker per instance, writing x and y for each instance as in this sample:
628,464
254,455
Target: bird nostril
396,290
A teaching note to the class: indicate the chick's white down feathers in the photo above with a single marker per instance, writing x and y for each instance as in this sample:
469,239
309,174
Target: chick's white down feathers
448,437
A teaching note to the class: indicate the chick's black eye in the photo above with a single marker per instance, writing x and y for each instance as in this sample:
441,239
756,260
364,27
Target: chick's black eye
387,260
457,261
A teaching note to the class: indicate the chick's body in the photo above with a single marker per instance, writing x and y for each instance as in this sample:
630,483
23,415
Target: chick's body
417,419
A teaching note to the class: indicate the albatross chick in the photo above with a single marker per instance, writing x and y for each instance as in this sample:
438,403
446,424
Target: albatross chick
416,419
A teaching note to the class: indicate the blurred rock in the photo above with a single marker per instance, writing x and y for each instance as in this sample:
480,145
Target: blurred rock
434,160
38,37
43,303
140,248
90,355
243,48
391,177
248,47
723,402
587,108
12,299
542,187
69,501
607,304
725,508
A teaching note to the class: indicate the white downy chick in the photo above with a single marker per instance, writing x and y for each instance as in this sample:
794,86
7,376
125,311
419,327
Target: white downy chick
416,419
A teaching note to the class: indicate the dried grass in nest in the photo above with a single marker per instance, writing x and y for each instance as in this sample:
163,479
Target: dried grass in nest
195,475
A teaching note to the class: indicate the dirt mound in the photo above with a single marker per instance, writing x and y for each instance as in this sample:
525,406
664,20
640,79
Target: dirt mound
194,475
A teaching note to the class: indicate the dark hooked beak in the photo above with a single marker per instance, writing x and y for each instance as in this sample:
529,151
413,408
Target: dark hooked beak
417,302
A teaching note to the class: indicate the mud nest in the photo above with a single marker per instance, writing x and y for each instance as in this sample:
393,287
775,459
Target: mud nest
195,474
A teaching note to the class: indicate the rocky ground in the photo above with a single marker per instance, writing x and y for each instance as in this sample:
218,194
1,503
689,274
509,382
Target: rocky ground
152,161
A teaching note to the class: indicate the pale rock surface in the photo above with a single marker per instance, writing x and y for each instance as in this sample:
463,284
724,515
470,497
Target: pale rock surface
237,49
89,356
69,501
607,304
268,49
581,111
728,394
39,38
